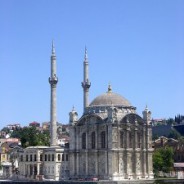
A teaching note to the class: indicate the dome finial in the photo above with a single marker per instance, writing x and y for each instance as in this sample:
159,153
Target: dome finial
109,88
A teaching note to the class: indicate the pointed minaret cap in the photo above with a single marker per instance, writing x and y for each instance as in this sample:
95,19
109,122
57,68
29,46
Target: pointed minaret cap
53,48
86,55
146,108
73,108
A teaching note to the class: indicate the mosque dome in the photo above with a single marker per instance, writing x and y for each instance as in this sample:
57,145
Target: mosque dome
109,98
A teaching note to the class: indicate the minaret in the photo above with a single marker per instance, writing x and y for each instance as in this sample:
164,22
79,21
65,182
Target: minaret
149,149
147,115
86,84
53,83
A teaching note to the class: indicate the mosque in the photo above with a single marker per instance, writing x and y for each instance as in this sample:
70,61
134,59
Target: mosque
110,141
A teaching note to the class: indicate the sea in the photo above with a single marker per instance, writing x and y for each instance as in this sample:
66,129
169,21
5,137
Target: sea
163,181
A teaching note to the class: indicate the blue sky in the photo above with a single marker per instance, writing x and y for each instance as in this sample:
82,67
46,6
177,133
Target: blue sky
137,46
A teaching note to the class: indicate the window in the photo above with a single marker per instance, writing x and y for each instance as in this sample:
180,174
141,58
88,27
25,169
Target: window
63,158
41,157
130,140
52,157
121,139
34,157
103,142
138,140
84,141
26,157
66,157
49,157
45,157
21,158
93,143
31,158
59,157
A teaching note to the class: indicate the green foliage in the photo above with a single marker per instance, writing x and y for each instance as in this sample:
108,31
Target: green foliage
155,136
179,118
30,136
174,134
163,160
5,129
170,121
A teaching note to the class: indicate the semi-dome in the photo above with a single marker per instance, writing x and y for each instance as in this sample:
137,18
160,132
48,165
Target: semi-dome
109,98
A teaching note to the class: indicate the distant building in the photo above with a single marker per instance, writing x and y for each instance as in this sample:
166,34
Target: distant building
156,122
34,124
46,125
13,126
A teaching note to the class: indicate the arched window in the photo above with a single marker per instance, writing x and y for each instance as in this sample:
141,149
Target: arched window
130,140
138,140
93,142
63,158
84,141
103,141
59,157
41,157
121,139
31,158
35,157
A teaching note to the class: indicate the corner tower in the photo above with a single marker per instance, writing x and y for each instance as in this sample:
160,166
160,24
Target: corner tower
53,80
86,83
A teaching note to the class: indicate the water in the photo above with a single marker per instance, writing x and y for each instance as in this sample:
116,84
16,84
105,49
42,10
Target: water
98,182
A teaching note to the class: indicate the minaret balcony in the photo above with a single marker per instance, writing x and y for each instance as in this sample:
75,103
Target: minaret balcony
53,80
86,85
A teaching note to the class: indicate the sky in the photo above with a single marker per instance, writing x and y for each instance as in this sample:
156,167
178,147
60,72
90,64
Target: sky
135,45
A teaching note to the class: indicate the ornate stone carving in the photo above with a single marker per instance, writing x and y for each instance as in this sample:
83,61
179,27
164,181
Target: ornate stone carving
121,165
112,114
114,135
92,167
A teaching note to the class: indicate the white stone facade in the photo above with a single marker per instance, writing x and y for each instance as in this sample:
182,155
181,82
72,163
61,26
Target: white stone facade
111,142
41,162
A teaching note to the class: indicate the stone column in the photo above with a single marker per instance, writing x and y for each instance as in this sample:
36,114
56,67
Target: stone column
126,153
134,153
38,169
143,161
77,163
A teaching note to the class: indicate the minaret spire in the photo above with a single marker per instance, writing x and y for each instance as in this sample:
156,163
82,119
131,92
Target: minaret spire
86,83
86,54
53,114
53,48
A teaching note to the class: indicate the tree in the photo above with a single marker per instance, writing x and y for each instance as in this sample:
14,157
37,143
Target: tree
30,136
170,121
157,162
174,134
163,160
